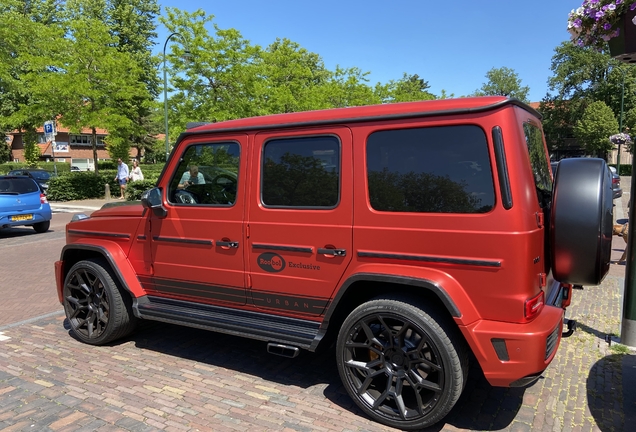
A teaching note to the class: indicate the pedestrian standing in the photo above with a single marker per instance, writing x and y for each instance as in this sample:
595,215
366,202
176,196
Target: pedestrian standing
135,173
122,176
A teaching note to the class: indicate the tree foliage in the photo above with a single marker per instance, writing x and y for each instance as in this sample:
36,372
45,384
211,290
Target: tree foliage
503,82
594,128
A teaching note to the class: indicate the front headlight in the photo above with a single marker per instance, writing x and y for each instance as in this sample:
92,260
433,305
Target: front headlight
79,217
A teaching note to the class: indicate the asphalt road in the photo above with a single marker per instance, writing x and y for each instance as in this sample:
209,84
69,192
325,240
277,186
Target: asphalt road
27,282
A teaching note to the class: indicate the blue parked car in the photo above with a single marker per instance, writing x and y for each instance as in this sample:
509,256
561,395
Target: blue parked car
23,202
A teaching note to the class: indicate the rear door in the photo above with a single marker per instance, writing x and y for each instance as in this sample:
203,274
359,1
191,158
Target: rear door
299,218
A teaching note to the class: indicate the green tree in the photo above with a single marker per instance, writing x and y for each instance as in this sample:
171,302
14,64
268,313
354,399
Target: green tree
5,150
95,78
408,89
30,33
219,83
133,24
503,82
595,127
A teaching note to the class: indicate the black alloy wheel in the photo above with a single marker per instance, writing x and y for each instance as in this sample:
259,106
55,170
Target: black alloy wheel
94,305
399,364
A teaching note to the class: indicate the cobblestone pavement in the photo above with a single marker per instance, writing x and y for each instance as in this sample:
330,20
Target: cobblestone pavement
173,378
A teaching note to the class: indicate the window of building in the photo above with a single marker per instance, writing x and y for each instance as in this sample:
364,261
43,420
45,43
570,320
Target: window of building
431,170
301,172
85,140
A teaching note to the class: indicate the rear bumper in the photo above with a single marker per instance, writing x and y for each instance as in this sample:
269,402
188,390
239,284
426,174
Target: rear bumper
516,354
41,214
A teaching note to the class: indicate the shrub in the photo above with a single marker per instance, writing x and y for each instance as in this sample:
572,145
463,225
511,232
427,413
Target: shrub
81,185
135,189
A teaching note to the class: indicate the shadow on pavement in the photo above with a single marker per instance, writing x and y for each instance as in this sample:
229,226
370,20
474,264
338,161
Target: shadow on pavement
481,406
605,393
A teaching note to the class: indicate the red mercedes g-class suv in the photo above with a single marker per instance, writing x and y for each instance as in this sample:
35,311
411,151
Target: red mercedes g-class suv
411,234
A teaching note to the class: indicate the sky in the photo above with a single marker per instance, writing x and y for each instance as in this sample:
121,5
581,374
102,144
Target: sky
451,44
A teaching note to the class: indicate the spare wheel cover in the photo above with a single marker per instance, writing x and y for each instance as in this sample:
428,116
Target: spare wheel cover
581,221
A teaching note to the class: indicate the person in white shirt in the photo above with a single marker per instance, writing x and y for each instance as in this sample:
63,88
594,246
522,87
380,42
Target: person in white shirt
135,173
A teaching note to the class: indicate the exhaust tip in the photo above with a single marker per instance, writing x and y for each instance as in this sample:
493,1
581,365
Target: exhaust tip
283,350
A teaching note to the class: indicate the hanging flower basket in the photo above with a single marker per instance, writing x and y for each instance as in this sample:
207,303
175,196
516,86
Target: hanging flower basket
623,46
599,23
620,138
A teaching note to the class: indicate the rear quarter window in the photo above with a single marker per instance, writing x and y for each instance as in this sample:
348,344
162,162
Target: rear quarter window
430,170
18,186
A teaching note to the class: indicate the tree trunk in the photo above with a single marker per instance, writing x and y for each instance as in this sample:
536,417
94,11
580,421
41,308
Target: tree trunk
94,144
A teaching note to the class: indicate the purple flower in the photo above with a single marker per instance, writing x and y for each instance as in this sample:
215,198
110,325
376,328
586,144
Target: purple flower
607,26
577,23
619,2
632,6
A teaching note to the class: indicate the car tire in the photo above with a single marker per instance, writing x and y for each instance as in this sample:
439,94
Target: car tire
42,227
95,305
581,221
403,364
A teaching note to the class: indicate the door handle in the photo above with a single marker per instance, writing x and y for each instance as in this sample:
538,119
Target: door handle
334,252
230,244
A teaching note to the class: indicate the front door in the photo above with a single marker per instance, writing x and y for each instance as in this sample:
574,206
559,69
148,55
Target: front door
299,219
197,249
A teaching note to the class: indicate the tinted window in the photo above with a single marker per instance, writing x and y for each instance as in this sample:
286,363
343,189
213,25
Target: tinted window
435,170
301,172
17,186
538,159
41,175
207,174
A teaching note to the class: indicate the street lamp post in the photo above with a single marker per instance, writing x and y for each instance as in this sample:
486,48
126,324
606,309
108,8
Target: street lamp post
165,85
620,122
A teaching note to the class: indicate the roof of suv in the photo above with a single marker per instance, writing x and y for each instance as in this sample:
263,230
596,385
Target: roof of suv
363,113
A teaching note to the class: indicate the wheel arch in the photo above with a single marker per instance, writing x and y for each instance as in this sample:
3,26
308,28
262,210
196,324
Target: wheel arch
112,254
362,287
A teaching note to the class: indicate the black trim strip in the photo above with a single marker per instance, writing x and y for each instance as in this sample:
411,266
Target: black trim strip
191,289
254,325
183,240
283,248
345,120
141,237
502,168
461,261
98,233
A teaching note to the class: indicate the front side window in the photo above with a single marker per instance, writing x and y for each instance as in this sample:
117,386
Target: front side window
430,170
206,175
301,172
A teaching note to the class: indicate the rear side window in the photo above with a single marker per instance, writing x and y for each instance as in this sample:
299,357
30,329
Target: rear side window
430,170
301,172
18,186
538,160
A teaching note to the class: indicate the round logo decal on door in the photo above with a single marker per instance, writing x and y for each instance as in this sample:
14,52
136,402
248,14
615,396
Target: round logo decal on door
271,262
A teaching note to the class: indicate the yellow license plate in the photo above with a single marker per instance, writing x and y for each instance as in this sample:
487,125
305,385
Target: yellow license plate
21,217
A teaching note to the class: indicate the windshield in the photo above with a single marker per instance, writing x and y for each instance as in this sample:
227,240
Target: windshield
41,175
538,160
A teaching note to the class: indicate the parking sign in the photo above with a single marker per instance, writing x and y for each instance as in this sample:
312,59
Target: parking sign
49,130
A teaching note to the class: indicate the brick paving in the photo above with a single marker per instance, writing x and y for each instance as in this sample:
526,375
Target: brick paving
172,378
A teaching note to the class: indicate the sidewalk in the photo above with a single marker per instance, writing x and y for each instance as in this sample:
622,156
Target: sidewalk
80,205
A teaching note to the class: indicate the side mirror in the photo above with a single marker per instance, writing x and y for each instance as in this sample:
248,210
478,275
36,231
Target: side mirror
151,199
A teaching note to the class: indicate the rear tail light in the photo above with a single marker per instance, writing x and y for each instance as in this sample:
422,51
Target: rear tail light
534,306
616,180
43,199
